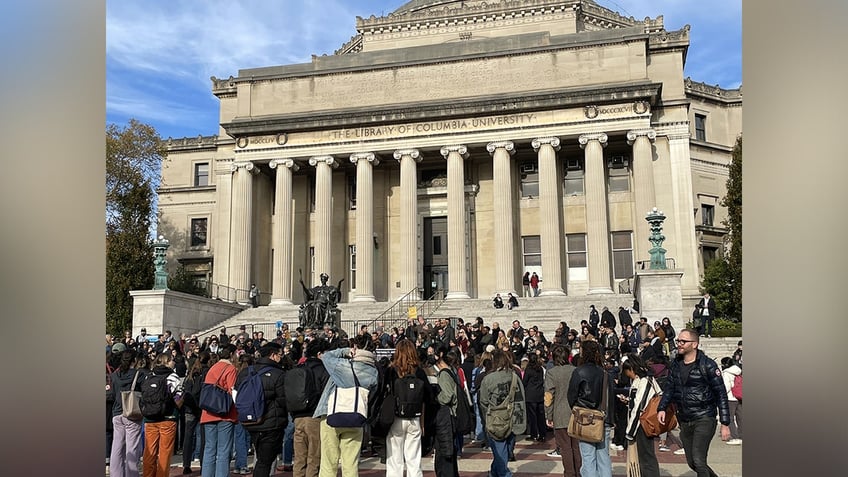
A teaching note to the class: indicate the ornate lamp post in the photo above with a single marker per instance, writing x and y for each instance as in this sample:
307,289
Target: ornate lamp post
160,281
655,218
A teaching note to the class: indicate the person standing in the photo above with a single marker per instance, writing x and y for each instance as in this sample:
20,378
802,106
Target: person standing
344,443
218,429
253,294
525,283
586,389
403,446
643,387
534,387
445,462
534,284
494,390
558,412
267,435
126,440
708,313
729,371
160,430
696,387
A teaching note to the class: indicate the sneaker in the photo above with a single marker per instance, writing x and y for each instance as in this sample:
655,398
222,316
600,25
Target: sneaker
554,453
616,447
734,442
664,448
284,468
680,451
187,470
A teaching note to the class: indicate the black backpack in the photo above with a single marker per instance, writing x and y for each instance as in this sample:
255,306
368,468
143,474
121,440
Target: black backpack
466,421
301,392
409,396
157,402
191,393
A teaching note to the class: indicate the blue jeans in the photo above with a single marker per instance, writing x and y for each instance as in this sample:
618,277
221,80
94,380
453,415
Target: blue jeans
500,456
242,444
217,449
478,431
696,436
596,457
288,443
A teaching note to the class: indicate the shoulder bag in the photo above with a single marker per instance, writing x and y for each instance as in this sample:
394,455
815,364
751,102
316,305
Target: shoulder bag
348,407
214,399
648,418
131,401
587,424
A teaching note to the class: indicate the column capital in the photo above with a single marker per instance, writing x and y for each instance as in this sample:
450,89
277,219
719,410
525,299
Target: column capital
247,165
585,138
508,145
539,141
415,154
459,148
636,133
367,156
285,163
329,160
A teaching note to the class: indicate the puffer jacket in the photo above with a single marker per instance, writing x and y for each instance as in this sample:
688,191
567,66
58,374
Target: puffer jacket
274,388
586,390
700,395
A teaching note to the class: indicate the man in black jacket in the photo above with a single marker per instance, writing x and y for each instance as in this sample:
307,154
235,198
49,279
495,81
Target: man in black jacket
268,434
695,385
307,444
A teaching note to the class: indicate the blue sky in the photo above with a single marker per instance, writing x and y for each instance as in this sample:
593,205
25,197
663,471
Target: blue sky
161,53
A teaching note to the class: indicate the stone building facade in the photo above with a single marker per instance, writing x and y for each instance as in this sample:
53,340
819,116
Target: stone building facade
453,146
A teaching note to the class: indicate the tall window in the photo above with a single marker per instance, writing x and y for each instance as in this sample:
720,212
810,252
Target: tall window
437,245
572,183
198,232
532,251
576,252
351,191
201,174
622,254
707,214
312,195
701,127
619,174
351,251
709,254
529,179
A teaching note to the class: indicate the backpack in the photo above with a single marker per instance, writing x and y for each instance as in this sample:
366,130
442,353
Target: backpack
736,389
499,417
466,421
157,403
250,397
191,392
301,392
409,396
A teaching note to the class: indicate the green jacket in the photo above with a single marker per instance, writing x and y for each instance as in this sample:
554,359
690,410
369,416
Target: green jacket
494,389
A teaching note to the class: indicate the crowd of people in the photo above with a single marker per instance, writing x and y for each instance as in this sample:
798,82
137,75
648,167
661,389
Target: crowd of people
518,383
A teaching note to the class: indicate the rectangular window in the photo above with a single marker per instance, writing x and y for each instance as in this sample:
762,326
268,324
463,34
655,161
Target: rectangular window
437,245
532,250
707,214
572,184
351,250
198,232
201,174
312,195
351,192
709,254
701,127
619,180
529,181
622,254
576,247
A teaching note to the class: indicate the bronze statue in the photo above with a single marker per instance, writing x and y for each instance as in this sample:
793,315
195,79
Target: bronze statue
320,304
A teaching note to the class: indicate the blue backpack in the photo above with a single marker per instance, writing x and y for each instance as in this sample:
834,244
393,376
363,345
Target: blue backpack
250,397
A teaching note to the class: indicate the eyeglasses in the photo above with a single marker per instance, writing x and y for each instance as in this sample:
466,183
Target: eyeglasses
682,342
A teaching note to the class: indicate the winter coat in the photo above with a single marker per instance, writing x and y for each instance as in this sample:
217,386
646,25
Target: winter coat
700,395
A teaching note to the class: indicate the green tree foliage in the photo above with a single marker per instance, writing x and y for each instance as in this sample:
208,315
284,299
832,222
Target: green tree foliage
182,281
133,157
723,276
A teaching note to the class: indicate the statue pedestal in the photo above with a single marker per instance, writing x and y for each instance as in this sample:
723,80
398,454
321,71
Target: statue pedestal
659,294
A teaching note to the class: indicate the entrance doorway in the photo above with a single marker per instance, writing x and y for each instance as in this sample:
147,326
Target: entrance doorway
435,255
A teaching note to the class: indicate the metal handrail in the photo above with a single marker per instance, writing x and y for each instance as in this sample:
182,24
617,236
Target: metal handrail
234,295
670,264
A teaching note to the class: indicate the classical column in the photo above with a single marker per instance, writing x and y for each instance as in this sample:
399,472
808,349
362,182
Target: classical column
596,213
457,276
504,233
282,290
324,166
240,227
551,233
685,251
643,188
408,218
365,161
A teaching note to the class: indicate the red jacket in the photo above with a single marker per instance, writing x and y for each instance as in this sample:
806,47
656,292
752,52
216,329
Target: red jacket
224,373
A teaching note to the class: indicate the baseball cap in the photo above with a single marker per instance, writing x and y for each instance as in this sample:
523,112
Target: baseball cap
144,330
119,348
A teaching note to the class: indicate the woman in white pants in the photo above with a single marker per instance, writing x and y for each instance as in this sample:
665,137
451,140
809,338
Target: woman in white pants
410,390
